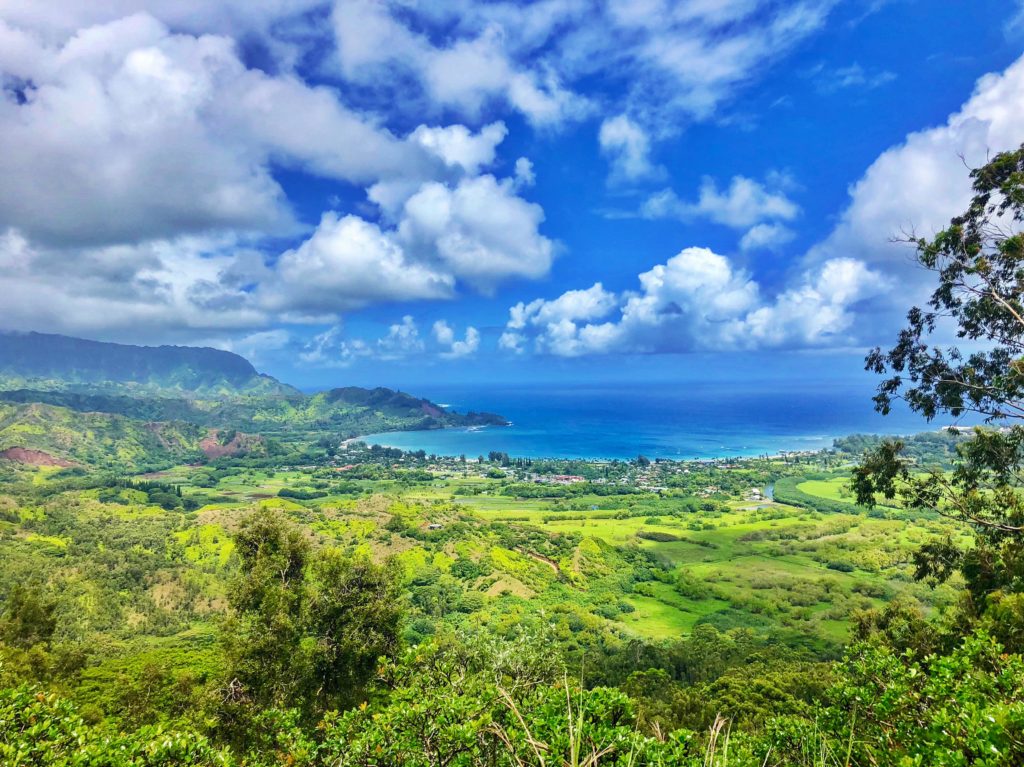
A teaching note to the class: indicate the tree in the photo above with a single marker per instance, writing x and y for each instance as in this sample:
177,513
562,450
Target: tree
264,635
28,618
354,615
308,627
979,263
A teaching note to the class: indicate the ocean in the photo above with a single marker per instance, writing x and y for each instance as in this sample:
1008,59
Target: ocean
661,420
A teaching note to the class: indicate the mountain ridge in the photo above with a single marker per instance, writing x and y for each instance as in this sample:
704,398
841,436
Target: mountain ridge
32,357
50,383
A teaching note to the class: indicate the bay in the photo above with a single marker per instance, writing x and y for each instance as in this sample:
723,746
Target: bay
659,420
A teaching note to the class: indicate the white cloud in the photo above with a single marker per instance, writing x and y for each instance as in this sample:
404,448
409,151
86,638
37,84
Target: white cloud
512,342
256,346
331,349
819,310
628,148
468,73
591,304
349,263
185,287
458,146
680,58
698,300
479,230
126,142
1015,24
920,184
57,19
766,237
444,334
695,54
745,203
524,175
403,340
128,132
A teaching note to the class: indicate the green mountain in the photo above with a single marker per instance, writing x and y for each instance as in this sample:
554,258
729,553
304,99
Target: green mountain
42,359
71,401
39,434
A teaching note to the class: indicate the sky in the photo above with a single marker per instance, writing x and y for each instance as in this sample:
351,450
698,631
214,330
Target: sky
386,192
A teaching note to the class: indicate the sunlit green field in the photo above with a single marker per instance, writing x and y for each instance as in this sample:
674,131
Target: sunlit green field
737,563
757,563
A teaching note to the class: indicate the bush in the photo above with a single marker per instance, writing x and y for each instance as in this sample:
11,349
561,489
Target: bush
843,567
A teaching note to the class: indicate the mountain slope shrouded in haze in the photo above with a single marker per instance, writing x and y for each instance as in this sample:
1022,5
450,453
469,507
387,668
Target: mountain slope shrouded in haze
67,400
75,361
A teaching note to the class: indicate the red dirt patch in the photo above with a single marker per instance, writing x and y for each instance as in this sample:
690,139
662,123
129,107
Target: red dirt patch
213,445
33,457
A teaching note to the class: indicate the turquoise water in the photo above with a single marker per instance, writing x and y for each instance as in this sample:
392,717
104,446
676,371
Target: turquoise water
657,420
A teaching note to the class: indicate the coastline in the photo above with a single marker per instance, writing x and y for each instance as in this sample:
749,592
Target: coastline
386,439
674,423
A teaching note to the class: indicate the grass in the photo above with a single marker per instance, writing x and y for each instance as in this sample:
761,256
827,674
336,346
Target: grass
837,489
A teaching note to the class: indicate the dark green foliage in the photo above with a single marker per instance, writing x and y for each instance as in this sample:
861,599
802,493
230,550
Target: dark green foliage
934,448
263,638
978,260
300,494
28,617
657,536
308,627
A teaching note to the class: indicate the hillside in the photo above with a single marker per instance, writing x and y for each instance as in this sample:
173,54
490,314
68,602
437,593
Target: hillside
62,361
38,434
452,585
68,401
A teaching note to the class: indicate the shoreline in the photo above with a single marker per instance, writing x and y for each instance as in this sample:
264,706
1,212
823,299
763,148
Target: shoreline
775,453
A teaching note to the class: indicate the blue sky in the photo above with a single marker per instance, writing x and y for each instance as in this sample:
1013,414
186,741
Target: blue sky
386,192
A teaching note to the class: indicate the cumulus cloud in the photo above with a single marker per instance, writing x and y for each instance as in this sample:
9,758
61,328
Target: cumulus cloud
628,148
524,175
347,264
888,201
697,300
510,341
141,169
61,18
188,287
332,349
128,132
479,229
458,146
590,304
402,340
444,334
